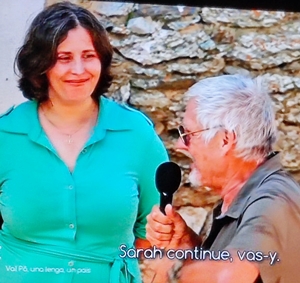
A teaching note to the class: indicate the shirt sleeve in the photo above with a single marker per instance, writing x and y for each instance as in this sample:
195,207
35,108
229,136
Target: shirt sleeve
154,154
262,236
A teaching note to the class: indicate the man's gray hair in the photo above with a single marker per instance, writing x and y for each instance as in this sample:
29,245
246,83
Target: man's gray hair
240,104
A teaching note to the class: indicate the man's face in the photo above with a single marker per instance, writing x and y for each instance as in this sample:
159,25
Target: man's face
207,158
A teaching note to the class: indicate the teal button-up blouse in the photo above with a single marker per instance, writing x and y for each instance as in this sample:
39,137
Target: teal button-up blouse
68,227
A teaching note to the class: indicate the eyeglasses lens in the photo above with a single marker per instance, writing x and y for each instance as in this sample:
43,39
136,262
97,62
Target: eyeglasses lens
184,137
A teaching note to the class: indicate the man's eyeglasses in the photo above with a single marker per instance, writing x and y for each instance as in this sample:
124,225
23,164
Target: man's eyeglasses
185,135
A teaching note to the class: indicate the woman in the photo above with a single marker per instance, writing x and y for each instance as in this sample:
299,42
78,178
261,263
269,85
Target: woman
76,169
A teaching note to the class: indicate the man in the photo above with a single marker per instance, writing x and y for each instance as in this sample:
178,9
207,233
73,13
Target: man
228,131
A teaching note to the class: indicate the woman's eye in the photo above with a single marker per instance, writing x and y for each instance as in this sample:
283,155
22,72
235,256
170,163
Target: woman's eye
89,56
64,58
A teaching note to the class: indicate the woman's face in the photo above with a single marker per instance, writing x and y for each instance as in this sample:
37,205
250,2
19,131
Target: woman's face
77,70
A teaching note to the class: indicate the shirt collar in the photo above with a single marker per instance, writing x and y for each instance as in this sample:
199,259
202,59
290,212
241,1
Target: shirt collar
24,118
271,165
113,116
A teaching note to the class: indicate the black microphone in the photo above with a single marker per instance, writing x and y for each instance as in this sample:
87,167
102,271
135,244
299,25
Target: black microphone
167,179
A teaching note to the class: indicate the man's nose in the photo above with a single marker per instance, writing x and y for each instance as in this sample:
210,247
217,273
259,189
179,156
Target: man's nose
180,145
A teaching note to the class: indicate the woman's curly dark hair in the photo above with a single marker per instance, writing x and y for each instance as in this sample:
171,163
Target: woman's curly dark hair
39,51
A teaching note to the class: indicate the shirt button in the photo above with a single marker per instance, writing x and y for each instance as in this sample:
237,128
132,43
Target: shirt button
71,226
70,187
84,151
71,263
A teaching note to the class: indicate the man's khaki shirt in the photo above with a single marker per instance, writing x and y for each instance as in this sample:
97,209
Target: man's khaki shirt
263,224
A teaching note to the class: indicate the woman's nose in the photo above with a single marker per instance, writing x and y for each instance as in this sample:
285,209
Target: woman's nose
77,67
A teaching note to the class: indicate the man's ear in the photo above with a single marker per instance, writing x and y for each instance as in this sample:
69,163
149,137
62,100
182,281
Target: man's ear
228,141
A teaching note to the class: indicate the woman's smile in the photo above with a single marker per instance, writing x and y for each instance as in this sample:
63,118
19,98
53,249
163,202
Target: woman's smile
77,82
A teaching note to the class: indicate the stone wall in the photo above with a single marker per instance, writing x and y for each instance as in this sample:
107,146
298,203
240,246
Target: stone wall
160,51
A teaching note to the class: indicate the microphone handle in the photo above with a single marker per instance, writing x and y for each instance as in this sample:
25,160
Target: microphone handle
164,200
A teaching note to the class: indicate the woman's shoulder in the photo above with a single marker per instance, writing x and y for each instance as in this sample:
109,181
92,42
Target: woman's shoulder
125,115
21,108
7,111
15,116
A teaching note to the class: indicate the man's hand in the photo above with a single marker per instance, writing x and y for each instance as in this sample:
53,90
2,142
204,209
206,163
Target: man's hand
169,231
209,271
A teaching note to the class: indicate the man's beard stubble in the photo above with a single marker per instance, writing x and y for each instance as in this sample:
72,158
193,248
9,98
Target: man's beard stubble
195,178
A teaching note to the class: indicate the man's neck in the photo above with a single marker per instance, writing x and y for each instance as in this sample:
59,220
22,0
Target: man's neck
239,172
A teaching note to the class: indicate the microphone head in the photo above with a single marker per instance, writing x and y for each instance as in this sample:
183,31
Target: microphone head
168,178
